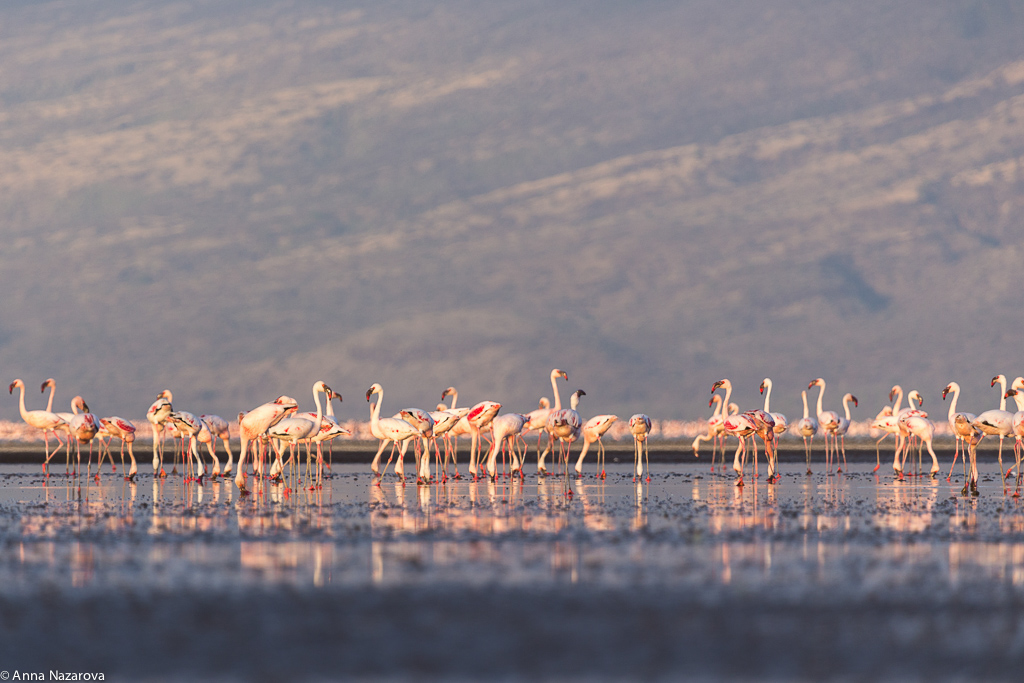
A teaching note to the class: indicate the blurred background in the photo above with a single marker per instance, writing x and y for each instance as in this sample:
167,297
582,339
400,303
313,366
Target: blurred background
235,199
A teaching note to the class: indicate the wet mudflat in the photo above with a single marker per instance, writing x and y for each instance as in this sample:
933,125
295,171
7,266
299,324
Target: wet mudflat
853,576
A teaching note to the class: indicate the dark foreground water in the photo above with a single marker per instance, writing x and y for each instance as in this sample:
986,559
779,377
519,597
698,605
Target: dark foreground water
852,576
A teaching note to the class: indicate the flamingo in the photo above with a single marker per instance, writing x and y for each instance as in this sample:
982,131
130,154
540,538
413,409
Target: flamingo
505,428
741,426
66,428
593,430
40,419
190,425
424,422
388,430
781,423
764,425
444,421
300,428
924,430
842,427
640,428
478,418
878,424
962,430
219,427
715,429
124,430
460,428
540,419
254,424
82,426
996,422
904,435
1018,432
807,426
565,425
828,420
157,416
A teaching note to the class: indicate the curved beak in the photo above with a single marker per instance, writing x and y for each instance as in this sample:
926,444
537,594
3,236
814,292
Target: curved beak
369,393
855,401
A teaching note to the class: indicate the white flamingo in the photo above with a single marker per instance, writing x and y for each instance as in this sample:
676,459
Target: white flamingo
828,420
741,426
904,435
1018,432
996,422
460,428
843,426
219,428
479,418
83,426
540,417
781,423
298,429
40,419
962,429
190,425
924,430
254,424
388,430
505,428
565,426
807,427
593,430
640,428
157,417
122,429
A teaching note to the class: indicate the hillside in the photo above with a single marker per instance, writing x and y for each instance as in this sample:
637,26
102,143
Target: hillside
233,201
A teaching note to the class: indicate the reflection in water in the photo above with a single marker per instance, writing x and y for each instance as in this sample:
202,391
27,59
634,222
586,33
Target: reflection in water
684,527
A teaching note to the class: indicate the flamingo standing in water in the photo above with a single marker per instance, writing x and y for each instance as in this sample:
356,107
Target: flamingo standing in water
479,418
424,422
388,430
82,426
254,424
593,430
460,428
640,428
219,427
124,430
301,428
828,420
444,421
565,425
1018,432
807,427
962,429
741,426
843,426
157,416
715,430
996,422
540,418
924,430
878,424
505,428
40,419
781,423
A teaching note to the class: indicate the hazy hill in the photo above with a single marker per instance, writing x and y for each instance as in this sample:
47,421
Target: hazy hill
234,199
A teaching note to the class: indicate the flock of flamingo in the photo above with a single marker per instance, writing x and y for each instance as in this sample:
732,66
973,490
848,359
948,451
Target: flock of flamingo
909,426
267,430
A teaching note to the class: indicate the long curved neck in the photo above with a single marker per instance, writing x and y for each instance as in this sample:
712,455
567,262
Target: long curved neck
574,401
319,408
803,395
821,393
554,388
330,407
846,406
49,404
899,400
455,398
24,413
767,395
375,409
728,392
1002,392
952,406
718,406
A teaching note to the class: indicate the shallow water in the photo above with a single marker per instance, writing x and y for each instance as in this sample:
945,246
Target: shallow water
808,543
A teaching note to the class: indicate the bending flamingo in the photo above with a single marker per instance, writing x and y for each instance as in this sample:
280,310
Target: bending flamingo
593,430
640,428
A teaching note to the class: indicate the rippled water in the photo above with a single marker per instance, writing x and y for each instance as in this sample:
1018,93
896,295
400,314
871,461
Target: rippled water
688,527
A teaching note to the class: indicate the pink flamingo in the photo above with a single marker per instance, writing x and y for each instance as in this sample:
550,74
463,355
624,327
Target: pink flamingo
962,429
157,417
843,426
122,429
219,428
807,427
539,417
505,428
565,425
828,421
41,419
388,430
300,428
254,424
593,430
640,428
996,422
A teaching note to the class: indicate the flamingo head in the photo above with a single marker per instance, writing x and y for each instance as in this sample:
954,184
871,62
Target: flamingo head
712,401
716,385
1010,393
447,392
51,382
331,395
893,391
374,389
16,383
816,383
994,380
762,387
854,399
945,392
